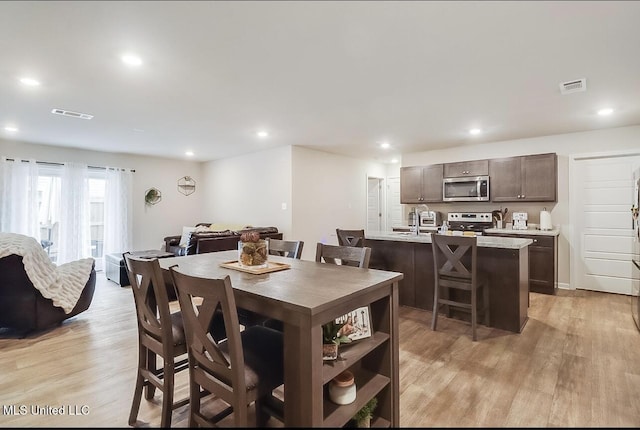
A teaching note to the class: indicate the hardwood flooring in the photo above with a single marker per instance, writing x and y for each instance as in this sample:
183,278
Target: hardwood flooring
576,364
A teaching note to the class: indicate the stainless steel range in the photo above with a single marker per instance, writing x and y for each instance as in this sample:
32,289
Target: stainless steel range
470,221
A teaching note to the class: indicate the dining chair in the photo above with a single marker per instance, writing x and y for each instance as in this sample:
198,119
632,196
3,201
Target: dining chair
345,255
350,237
160,334
285,248
456,268
282,248
242,369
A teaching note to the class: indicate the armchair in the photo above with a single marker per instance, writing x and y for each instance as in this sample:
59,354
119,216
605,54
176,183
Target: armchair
36,294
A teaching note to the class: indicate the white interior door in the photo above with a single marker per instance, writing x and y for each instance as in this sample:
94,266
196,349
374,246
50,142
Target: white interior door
601,196
374,204
394,207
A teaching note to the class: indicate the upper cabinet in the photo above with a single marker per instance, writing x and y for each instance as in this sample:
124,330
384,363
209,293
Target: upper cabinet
532,178
421,184
466,168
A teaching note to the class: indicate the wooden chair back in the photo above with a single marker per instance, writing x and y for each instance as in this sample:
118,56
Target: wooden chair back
345,255
350,237
285,248
242,369
160,333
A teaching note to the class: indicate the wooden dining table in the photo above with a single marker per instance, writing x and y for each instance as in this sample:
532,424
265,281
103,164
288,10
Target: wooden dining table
305,296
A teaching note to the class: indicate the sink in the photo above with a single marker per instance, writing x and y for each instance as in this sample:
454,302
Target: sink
409,233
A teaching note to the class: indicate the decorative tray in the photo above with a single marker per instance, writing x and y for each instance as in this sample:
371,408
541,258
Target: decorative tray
271,267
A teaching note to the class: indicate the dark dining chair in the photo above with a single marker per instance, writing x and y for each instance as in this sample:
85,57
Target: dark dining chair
350,237
456,268
242,369
345,255
285,248
160,334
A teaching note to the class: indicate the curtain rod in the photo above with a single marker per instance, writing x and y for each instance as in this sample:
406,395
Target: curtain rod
52,163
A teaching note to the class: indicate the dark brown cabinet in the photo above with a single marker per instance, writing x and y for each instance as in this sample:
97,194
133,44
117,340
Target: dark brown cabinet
532,178
421,184
466,168
543,262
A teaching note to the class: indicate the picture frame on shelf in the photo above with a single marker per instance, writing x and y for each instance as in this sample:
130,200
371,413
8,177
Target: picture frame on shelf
356,324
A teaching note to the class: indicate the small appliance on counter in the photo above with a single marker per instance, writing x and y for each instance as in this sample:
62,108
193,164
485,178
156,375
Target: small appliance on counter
412,218
545,220
520,220
430,219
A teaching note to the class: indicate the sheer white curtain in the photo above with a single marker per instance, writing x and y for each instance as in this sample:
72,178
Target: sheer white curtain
19,197
118,204
75,229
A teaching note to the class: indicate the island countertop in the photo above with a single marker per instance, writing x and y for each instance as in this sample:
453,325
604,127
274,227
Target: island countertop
504,261
483,241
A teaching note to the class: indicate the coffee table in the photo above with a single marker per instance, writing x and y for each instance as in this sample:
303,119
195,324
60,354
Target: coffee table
114,264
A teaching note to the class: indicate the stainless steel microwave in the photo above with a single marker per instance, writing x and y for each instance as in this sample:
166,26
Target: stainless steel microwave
466,189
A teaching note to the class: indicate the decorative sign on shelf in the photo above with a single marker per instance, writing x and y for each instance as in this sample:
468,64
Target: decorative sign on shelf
186,185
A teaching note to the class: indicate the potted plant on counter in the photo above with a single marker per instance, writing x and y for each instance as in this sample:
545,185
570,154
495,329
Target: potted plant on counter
332,337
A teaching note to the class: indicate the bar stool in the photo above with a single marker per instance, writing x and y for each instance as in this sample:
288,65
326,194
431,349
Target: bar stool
455,267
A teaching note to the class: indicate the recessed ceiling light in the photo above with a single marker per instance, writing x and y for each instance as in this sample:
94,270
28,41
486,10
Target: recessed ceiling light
131,60
605,111
189,153
262,134
475,131
394,160
30,82
11,129
385,145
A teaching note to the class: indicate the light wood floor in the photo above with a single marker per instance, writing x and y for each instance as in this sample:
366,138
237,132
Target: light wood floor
576,364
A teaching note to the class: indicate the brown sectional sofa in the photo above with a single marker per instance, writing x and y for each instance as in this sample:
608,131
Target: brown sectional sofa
213,241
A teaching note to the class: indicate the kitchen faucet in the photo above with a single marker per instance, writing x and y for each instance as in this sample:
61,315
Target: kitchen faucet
416,227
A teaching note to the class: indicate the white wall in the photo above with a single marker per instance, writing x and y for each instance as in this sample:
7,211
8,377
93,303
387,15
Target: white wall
150,223
598,141
250,189
329,192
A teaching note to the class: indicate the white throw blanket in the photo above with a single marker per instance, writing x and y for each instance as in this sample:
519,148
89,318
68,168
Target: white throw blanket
62,284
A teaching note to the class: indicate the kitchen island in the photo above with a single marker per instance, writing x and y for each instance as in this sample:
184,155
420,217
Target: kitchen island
503,260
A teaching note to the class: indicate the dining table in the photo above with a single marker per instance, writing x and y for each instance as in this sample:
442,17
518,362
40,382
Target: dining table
305,295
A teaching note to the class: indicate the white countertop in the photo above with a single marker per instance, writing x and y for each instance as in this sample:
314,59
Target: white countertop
483,241
532,232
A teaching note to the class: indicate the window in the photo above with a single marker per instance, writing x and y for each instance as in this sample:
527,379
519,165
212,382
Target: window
49,197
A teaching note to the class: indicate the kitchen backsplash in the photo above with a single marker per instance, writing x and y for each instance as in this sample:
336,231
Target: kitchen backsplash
532,209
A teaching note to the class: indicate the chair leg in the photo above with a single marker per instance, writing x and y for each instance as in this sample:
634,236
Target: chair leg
262,417
167,394
194,401
474,314
434,317
137,393
151,366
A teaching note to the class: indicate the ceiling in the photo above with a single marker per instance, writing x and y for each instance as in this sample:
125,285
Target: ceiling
339,77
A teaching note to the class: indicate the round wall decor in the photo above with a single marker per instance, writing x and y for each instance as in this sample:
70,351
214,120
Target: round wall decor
152,196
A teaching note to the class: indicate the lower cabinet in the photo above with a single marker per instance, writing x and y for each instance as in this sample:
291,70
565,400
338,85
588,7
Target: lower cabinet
543,262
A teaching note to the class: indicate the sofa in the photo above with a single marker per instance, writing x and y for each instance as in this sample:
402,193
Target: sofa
22,306
203,239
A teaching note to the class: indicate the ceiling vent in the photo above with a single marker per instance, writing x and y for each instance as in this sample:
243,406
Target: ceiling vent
71,114
573,86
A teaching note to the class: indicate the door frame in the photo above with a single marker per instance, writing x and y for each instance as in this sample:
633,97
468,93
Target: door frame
575,243
381,201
